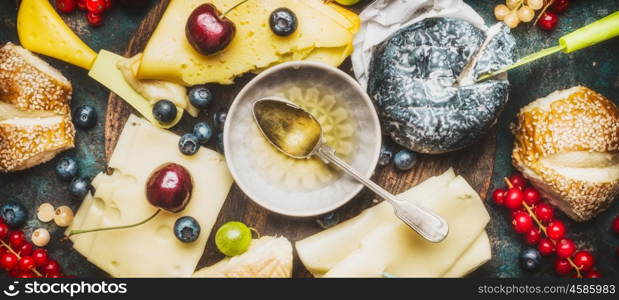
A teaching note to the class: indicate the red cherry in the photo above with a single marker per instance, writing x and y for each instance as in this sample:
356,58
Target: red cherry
514,198
565,248
548,21
25,263
584,260
522,222
17,238
94,19
560,6
545,247
562,266
499,196
51,267
544,212
532,237
531,196
555,230
615,225
593,274
4,230
95,6
517,181
65,6
40,257
8,261
25,249
81,4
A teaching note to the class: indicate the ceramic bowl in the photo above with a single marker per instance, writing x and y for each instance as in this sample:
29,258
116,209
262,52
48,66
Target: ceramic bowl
261,181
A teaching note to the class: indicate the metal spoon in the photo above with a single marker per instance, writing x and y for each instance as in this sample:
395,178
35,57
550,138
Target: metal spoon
296,133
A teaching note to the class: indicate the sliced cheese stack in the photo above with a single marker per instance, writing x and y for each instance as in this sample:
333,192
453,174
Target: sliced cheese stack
376,243
324,34
151,249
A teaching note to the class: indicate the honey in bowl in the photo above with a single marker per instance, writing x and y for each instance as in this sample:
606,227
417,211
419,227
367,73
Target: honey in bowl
338,129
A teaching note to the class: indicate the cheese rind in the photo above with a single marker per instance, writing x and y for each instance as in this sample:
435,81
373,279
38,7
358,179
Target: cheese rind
151,249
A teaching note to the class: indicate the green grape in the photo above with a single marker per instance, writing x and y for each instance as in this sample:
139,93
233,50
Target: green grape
233,238
347,2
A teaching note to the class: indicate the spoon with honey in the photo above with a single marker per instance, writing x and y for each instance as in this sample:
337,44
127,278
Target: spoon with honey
298,134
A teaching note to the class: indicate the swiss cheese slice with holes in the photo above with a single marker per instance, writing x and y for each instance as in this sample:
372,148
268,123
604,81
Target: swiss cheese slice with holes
169,56
151,249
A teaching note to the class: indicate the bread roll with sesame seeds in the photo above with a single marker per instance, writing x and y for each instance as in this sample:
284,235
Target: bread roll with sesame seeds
567,145
35,116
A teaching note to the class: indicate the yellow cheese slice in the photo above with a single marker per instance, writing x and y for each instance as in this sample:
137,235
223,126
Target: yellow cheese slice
353,18
106,72
41,30
478,254
394,248
151,249
169,56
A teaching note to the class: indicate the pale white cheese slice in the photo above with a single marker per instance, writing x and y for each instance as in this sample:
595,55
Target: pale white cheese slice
151,249
478,254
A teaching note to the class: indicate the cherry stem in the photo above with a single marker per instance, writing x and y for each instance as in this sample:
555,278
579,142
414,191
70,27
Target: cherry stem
33,269
232,8
80,231
543,11
543,228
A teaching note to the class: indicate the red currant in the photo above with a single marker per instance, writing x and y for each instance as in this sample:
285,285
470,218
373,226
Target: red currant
555,230
517,181
51,267
81,4
4,230
562,266
40,257
532,237
548,20
8,261
499,196
565,248
55,275
25,275
14,273
65,6
108,4
615,225
546,247
560,6
593,274
94,19
514,213
522,222
584,260
25,249
531,196
544,212
17,238
514,198
95,6
25,263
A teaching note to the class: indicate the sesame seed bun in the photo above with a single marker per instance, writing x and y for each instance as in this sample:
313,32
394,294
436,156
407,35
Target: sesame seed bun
567,145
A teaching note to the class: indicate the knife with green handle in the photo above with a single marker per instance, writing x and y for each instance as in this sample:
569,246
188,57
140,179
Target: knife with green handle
594,33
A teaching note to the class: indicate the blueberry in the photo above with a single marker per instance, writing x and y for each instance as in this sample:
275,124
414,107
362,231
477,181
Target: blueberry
530,259
283,22
328,220
186,229
85,117
164,111
385,156
200,96
14,214
404,160
219,119
66,168
189,144
79,187
203,132
220,142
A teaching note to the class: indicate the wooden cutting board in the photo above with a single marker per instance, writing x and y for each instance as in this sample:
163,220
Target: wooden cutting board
474,163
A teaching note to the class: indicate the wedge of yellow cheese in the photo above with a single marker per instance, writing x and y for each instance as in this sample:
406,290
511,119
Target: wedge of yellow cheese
41,30
169,56
151,249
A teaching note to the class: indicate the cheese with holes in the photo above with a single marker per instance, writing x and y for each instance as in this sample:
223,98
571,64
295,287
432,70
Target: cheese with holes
376,242
41,30
151,249
169,56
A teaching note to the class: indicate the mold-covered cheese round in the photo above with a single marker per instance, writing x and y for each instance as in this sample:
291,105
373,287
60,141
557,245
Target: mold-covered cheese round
414,82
